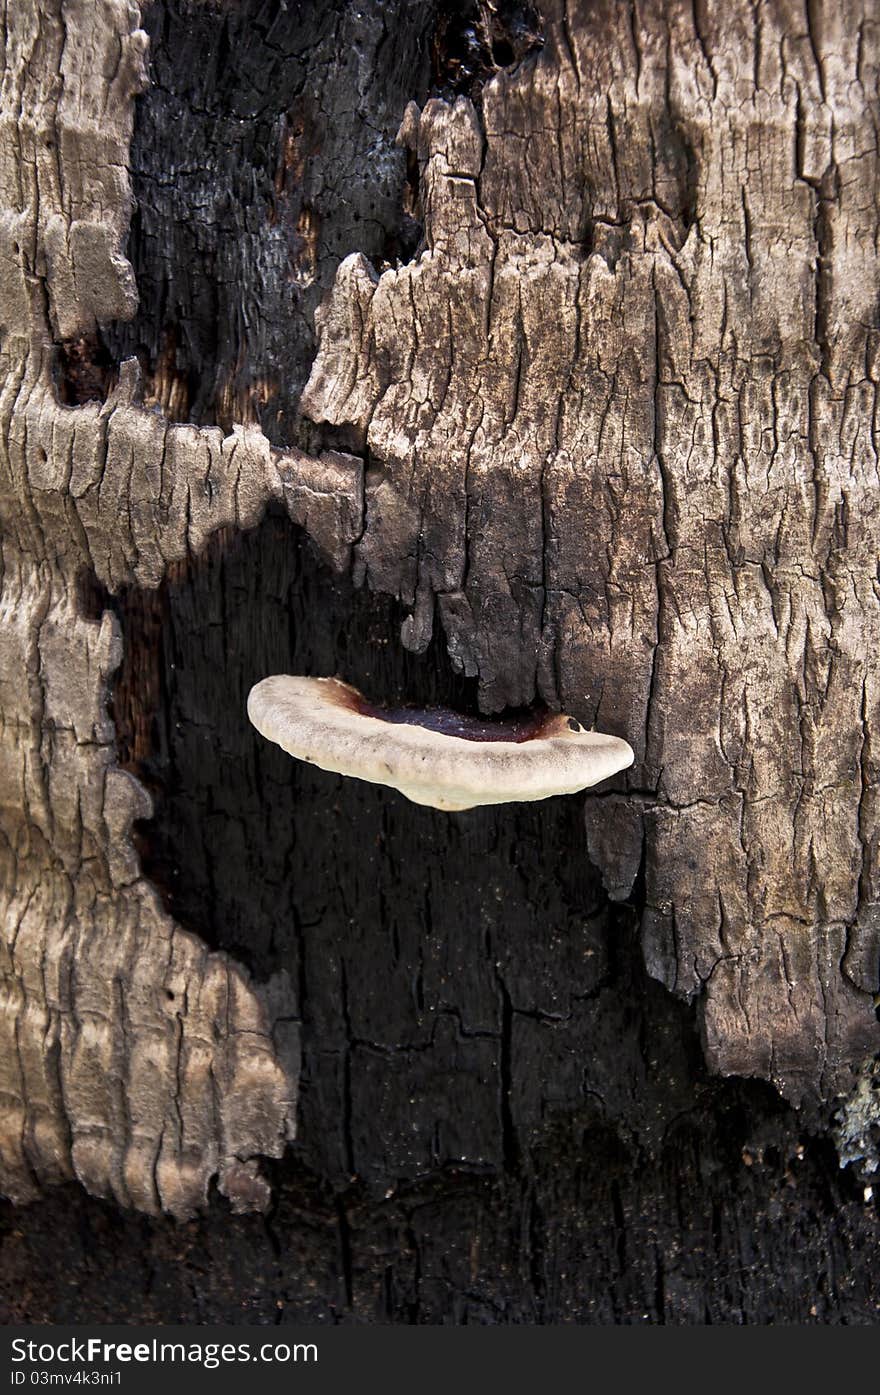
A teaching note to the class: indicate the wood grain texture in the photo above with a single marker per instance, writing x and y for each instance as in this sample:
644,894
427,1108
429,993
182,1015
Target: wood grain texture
609,439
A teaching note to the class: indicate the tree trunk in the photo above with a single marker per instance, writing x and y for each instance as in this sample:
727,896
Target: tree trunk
485,355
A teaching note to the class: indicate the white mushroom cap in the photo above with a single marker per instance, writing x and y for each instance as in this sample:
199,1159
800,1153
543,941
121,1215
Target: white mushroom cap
330,724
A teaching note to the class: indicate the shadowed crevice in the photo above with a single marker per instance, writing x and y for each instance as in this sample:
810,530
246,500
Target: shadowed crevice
463,985
336,882
475,39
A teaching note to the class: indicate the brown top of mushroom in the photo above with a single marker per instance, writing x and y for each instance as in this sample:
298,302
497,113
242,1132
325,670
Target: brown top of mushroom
432,756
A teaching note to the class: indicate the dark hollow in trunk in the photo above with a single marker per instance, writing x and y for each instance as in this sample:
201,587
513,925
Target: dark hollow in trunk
502,1118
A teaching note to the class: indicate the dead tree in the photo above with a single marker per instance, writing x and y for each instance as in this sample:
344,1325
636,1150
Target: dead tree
484,354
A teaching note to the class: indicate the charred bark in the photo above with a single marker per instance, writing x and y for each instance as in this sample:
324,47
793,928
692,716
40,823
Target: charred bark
548,341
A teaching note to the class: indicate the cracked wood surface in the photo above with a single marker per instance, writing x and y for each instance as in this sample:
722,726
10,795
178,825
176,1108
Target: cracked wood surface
619,419
621,422
131,1056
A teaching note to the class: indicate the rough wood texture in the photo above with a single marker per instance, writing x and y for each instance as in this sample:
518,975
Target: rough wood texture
501,1117
621,416
288,115
131,1057
70,71
609,439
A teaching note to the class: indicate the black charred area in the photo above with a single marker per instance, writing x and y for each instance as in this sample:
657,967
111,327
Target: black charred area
502,1118
264,152
475,39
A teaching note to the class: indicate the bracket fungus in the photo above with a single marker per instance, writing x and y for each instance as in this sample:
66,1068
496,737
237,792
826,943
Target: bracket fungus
432,755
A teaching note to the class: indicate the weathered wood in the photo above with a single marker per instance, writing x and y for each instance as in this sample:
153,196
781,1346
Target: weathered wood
594,424
621,413
131,1058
